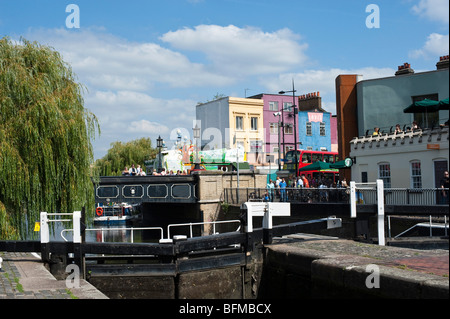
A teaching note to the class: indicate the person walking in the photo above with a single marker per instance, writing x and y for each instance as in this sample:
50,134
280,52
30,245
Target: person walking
283,190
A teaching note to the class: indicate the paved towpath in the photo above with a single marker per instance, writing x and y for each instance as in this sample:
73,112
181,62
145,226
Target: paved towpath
23,276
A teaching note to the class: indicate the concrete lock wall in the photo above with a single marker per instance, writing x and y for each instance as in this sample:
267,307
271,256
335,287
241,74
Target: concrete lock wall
211,187
234,282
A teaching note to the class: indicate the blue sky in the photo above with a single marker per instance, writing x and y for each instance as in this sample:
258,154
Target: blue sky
146,64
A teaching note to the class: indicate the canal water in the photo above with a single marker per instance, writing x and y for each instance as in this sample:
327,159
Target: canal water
60,232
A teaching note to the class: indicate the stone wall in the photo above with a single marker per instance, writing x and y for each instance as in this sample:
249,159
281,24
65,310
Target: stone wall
211,187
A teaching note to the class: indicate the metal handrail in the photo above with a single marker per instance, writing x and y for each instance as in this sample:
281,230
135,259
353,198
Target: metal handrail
201,223
115,229
393,196
157,228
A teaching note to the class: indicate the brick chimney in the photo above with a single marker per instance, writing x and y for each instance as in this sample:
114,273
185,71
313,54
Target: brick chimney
443,63
310,102
404,69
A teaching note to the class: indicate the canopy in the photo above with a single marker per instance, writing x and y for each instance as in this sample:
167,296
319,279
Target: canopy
424,106
346,163
315,166
443,104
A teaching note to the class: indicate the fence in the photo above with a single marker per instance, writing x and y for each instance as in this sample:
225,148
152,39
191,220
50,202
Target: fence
365,195
237,196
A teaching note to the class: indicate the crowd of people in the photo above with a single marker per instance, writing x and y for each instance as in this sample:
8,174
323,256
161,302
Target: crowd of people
169,173
279,186
138,171
133,171
398,130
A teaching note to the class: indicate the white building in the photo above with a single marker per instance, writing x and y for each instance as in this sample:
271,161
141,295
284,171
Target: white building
406,160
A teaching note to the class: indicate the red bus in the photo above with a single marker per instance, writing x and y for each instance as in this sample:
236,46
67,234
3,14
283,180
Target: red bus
306,158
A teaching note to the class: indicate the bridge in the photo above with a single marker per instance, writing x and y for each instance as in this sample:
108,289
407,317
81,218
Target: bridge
147,189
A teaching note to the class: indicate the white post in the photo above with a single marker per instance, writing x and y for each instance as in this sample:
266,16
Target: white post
380,215
45,233
273,210
352,199
254,209
77,227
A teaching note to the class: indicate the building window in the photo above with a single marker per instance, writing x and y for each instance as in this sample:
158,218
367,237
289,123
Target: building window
256,146
289,148
239,123
384,173
308,129
273,106
416,175
288,128
254,123
287,106
273,128
322,129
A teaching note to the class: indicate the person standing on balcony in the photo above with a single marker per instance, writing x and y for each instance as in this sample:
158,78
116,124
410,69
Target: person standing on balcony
445,188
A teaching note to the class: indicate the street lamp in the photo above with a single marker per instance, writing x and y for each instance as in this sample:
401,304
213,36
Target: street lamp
295,124
279,139
196,131
159,144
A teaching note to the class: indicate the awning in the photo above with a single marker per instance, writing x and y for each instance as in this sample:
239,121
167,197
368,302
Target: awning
317,166
242,165
424,106
443,104
347,163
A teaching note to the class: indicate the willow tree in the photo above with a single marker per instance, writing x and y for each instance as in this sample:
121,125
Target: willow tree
125,154
45,137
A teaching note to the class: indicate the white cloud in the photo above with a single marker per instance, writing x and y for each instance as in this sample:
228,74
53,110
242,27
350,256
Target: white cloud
435,46
147,127
247,51
109,62
433,10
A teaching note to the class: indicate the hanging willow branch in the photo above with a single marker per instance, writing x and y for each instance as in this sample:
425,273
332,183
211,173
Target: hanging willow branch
45,137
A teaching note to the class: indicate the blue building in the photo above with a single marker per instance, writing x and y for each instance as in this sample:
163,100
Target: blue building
314,124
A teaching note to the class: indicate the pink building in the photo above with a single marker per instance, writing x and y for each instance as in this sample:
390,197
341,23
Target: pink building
277,111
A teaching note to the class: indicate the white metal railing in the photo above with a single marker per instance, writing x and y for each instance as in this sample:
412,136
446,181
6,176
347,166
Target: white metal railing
378,186
103,230
430,225
201,224
132,229
44,227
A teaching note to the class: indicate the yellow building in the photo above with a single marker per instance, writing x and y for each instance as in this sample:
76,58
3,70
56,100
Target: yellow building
232,121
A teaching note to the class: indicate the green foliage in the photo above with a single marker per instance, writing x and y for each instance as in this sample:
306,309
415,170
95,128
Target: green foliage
45,137
124,154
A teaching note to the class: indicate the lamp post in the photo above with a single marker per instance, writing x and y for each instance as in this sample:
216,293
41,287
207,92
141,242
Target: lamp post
159,144
295,124
196,131
279,139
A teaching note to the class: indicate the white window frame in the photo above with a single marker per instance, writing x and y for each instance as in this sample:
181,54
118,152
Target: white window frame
288,128
273,106
308,129
323,129
416,174
273,127
384,173
239,120
253,123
